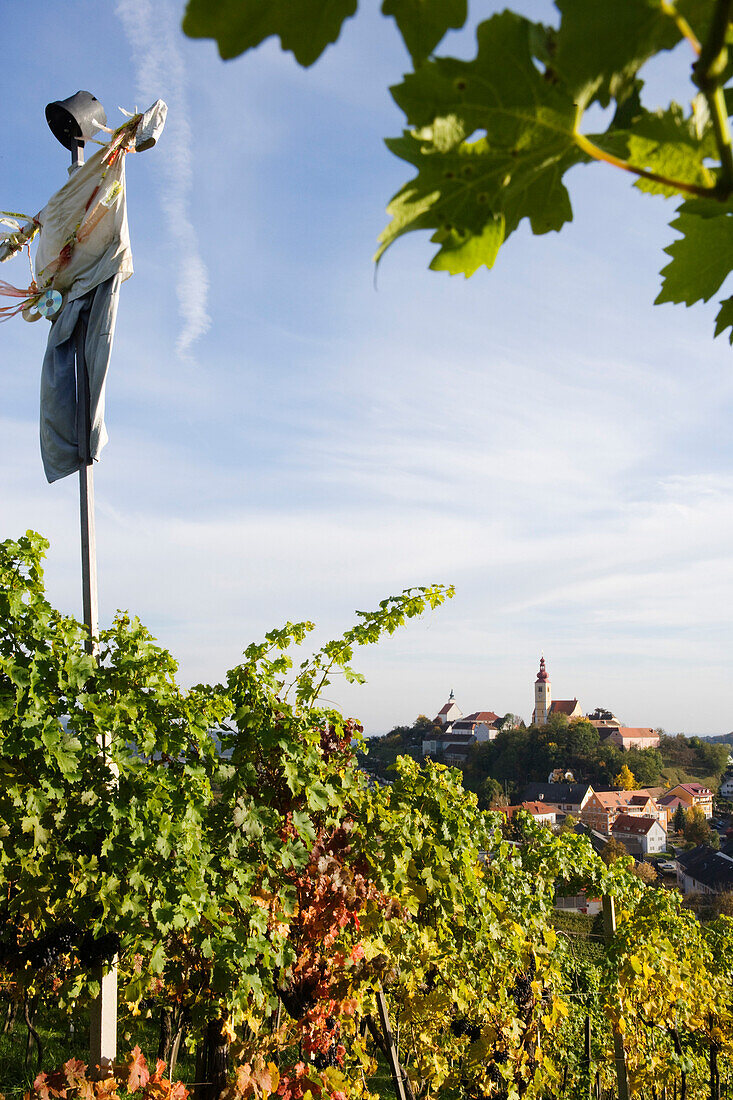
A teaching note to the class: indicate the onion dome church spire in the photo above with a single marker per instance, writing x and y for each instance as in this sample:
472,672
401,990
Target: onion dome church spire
542,696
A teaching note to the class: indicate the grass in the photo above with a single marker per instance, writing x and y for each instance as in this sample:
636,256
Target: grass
60,1043
674,774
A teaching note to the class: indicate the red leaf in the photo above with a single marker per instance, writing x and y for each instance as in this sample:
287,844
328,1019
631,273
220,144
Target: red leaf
138,1074
75,1071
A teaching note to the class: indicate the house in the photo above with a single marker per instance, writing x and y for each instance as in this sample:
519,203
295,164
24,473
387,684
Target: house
702,870
579,903
603,807
693,794
457,732
544,813
640,835
630,737
654,792
726,785
569,797
597,840
483,724
667,805
544,707
456,753
602,718
437,746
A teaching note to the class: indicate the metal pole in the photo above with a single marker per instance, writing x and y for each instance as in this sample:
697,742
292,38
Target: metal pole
609,930
89,596
103,1014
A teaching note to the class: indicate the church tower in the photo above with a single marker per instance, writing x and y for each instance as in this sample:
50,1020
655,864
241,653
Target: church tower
542,696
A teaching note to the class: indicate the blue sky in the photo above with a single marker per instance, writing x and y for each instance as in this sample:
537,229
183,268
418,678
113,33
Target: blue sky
289,441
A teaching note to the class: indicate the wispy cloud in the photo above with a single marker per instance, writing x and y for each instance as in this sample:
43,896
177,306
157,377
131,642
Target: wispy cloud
152,29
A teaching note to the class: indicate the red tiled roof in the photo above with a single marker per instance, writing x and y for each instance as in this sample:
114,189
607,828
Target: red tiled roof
637,731
671,802
484,716
614,799
539,807
639,826
693,788
534,808
563,706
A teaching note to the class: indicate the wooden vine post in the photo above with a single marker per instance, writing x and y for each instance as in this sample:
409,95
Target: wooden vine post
391,1049
587,1054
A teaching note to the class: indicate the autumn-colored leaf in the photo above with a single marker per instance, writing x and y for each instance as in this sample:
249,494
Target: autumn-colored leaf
138,1074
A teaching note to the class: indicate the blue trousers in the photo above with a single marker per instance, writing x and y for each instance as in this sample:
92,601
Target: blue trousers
90,322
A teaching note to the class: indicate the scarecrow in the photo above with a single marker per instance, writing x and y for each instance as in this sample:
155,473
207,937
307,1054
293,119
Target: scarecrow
82,258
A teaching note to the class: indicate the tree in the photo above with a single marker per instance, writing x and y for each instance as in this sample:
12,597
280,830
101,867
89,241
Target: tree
491,794
646,764
646,873
679,818
492,138
697,830
625,780
568,825
614,850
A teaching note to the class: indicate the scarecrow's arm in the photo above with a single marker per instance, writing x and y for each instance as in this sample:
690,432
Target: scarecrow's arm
150,126
12,243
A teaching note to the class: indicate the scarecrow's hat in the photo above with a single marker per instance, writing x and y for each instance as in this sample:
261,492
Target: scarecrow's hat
74,120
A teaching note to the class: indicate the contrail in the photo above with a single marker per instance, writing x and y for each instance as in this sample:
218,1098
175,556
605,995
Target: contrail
152,28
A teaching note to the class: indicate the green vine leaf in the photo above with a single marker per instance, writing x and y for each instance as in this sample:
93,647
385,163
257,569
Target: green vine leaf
724,319
480,190
702,258
672,145
422,23
305,27
601,47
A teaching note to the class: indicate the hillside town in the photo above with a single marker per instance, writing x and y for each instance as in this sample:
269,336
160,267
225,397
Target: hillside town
682,831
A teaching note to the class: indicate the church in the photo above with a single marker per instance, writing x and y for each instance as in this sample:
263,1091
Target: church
545,706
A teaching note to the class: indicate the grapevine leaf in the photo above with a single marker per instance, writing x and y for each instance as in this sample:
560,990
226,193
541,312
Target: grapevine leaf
463,254
673,146
724,319
701,259
138,1074
422,23
305,27
667,143
601,47
465,189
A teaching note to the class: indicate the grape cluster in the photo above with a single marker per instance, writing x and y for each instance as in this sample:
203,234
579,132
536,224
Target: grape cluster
46,951
523,995
330,1058
462,1026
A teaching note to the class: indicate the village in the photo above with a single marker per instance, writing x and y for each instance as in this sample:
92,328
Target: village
647,822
